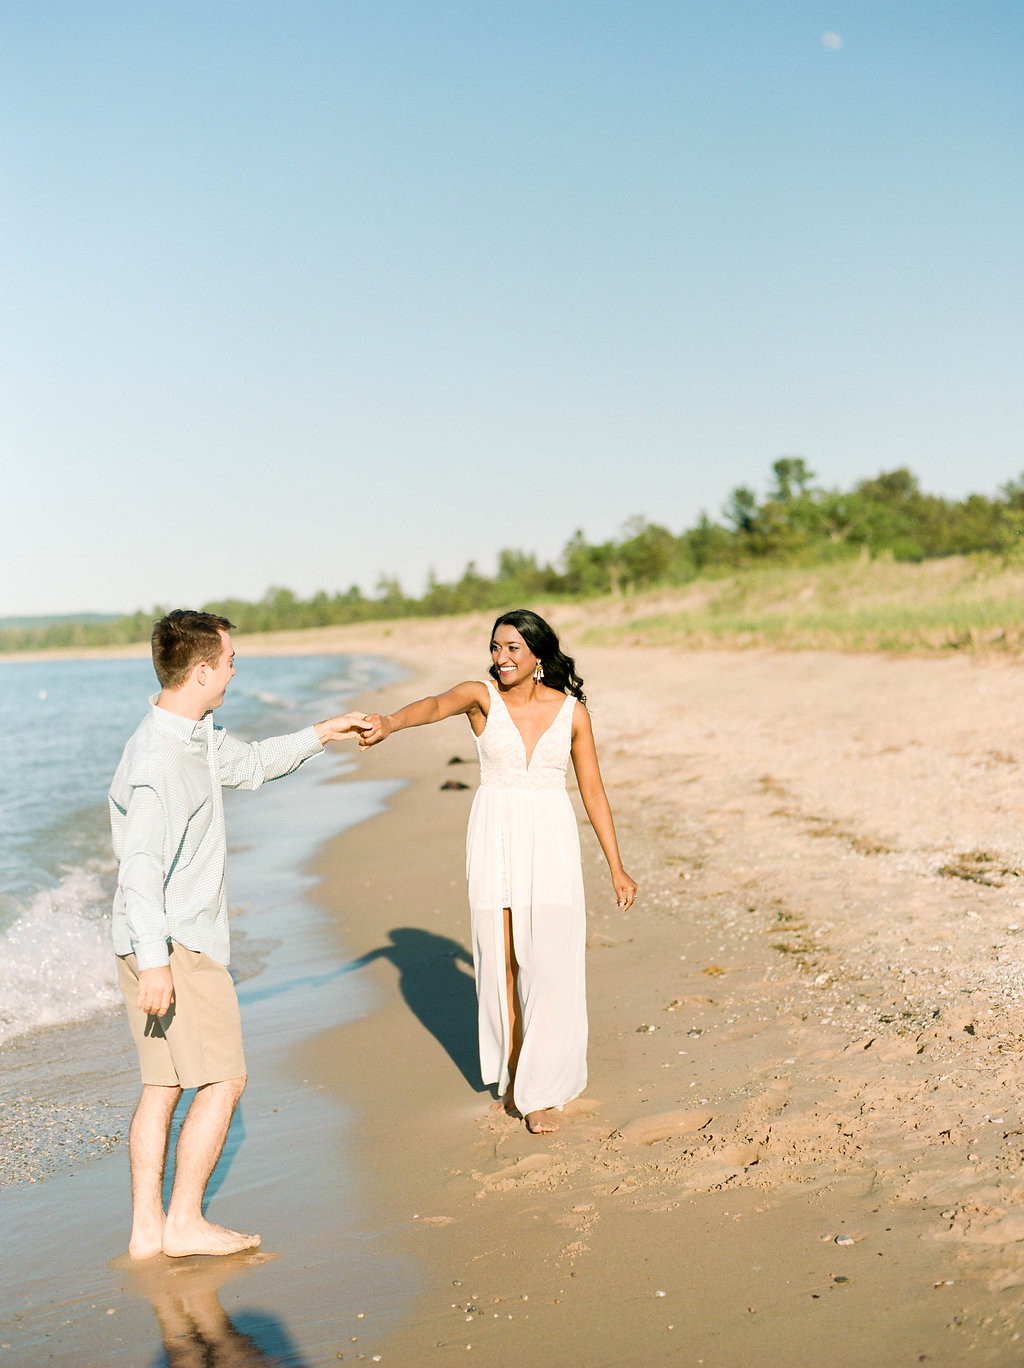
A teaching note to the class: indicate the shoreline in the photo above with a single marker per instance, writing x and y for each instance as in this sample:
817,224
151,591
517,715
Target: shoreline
763,1081
800,1132
71,1235
68,1085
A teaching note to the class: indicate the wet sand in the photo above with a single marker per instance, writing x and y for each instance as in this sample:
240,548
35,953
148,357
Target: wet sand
802,1139
801,1126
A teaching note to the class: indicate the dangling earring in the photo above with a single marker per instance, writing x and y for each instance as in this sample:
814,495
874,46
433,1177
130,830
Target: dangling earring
538,673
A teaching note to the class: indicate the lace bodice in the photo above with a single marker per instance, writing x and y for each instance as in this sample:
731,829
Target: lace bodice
502,750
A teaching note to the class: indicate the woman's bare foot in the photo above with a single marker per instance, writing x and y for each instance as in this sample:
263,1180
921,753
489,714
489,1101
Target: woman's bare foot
205,1238
506,1105
540,1123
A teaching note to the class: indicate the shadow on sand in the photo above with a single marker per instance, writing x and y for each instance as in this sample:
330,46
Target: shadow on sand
437,990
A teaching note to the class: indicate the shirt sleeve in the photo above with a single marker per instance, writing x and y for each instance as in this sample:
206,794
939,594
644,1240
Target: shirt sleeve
141,877
248,764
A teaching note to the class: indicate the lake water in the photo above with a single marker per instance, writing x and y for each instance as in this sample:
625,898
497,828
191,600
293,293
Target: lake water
68,1073
63,725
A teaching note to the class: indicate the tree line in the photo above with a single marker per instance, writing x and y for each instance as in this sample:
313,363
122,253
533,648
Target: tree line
796,523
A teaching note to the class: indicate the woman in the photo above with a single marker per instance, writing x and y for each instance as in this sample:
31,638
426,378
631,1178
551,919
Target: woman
523,861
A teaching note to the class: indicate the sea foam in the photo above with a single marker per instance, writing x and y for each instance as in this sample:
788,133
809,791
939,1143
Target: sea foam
56,959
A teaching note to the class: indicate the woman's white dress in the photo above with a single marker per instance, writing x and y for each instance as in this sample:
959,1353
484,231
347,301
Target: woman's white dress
523,852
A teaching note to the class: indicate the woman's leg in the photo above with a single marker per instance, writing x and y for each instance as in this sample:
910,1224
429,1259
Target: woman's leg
515,1013
515,1016
538,1122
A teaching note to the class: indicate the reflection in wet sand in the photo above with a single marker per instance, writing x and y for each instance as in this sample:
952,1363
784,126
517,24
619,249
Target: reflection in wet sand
196,1330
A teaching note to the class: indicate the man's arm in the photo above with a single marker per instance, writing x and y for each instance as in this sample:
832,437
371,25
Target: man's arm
141,880
248,764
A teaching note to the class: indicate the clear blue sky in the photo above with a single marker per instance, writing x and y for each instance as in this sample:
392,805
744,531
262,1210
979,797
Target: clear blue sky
304,292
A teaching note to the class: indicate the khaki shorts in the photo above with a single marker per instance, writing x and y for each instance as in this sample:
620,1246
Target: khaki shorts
199,1039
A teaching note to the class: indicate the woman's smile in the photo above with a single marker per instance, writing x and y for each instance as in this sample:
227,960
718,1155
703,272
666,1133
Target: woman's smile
512,657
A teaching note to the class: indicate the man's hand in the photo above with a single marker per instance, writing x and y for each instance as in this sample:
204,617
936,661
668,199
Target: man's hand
156,991
344,728
375,730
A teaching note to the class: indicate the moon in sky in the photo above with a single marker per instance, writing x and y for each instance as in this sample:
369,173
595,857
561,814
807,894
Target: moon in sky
832,41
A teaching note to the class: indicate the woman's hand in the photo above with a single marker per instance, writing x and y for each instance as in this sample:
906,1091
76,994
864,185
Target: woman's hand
625,890
375,730
345,727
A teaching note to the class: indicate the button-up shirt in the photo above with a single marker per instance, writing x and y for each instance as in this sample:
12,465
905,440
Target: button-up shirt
167,823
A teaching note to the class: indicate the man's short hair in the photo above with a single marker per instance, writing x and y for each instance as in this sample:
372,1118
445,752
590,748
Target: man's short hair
182,639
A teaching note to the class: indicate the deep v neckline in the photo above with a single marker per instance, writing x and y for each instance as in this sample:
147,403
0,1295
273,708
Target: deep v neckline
529,758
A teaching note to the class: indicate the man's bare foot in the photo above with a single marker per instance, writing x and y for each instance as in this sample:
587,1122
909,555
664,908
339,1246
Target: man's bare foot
205,1238
540,1123
147,1238
145,1246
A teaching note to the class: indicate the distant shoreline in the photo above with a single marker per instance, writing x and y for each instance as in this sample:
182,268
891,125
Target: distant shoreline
958,605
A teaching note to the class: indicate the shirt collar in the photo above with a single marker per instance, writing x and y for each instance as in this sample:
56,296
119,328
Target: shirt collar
184,728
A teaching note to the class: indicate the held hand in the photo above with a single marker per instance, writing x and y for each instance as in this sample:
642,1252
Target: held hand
346,727
625,890
377,729
156,991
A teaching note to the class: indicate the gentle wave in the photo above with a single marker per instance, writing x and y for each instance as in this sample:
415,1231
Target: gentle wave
56,962
272,700
56,868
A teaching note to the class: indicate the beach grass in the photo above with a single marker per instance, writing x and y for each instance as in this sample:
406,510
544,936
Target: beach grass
967,604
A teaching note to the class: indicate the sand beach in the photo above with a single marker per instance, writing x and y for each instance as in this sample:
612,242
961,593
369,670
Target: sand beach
802,1138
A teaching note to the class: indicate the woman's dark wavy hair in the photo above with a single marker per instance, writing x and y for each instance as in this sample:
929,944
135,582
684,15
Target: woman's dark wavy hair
559,669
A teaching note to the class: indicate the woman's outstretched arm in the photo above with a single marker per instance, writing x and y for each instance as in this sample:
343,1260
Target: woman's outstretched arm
595,800
470,697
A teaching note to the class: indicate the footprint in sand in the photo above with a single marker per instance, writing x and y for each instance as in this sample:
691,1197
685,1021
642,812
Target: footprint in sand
648,1130
738,1156
996,1228
1006,1279
580,1107
714,1170
531,1168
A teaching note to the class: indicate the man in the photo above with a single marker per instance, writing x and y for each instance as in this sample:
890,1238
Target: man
170,922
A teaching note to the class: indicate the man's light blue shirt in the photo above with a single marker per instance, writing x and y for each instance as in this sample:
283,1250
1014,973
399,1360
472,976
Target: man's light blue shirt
167,824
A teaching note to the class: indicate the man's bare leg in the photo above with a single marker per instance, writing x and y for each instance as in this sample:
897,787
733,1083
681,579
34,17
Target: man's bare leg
147,1149
187,1231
